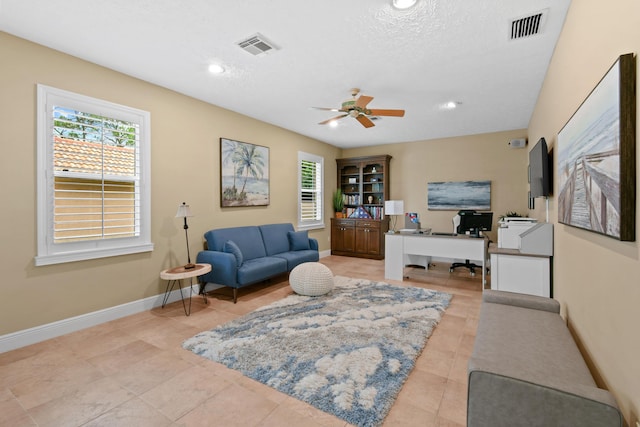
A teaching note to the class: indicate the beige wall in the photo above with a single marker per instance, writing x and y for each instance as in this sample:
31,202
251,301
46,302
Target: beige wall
185,167
595,277
477,157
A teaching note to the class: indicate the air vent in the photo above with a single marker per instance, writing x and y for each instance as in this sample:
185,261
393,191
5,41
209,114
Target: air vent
257,45
528,26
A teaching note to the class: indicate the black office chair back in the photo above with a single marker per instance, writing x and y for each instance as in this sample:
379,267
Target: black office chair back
462,213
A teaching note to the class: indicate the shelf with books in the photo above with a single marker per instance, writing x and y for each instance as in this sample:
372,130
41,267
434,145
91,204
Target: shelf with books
364,182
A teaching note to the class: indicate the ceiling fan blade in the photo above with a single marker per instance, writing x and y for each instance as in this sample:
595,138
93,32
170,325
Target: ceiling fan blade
363,101
326,109
364,120
332,119
393,113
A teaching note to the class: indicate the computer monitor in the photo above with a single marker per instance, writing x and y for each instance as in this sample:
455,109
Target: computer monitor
474,222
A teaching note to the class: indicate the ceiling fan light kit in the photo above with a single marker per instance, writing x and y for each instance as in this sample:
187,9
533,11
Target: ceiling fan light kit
356,107
403,4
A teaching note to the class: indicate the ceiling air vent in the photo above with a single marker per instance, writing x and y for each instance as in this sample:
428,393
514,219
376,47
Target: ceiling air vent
257,44
528,25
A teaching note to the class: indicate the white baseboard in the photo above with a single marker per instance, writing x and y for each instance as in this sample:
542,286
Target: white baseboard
51,330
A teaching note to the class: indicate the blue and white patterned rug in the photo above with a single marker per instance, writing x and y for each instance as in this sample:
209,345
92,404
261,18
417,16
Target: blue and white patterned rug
346,353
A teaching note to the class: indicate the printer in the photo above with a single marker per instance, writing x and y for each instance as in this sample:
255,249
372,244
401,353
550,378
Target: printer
510,229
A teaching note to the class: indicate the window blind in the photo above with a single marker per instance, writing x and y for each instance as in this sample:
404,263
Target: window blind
96,177
310,191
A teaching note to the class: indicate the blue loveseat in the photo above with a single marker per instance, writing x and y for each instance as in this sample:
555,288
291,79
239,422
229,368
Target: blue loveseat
241,256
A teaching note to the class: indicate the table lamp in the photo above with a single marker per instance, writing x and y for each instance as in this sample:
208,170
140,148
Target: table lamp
392,208
184,211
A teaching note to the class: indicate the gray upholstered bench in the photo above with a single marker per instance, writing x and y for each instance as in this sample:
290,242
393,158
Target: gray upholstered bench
526,369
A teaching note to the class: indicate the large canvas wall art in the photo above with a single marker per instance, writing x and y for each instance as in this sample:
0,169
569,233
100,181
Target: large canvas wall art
454,196
597,160
244,170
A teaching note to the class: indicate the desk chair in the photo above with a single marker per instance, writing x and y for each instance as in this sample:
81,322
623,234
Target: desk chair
466,264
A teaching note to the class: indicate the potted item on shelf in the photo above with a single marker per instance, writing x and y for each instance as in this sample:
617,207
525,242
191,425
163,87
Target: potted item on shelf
338,203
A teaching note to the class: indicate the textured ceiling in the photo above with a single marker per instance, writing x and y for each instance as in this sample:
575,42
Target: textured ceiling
418,59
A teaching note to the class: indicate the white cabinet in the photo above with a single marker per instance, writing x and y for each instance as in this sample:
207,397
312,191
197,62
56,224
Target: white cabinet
515,272
525,269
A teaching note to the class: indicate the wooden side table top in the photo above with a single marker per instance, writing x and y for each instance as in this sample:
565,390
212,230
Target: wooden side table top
177,273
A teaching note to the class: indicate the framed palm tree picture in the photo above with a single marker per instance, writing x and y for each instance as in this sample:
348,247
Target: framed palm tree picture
244,170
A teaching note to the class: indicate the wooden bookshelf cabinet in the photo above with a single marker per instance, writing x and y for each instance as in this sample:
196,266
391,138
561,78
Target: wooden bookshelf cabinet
364,182
358,237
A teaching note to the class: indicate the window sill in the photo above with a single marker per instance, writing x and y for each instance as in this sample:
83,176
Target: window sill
84,255
317,226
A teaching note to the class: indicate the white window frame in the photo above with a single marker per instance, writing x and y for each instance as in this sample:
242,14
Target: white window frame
55,253
319,222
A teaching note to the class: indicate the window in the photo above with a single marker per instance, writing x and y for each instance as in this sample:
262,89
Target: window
93,178
310,190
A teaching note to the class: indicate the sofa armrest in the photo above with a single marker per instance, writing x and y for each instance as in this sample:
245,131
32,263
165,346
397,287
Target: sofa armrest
521,300
224,268
313,244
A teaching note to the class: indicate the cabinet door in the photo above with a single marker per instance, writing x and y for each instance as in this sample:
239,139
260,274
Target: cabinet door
362,241
374,242
521,274
343,237
368,238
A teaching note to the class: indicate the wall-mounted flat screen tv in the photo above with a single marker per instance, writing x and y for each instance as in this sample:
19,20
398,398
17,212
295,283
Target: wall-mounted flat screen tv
539,179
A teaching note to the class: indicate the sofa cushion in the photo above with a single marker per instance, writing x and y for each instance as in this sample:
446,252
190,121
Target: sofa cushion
298,257
258,269
230,247
274,237
533,343
298,240
248,239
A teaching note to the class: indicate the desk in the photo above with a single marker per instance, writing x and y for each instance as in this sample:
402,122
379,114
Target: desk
400,247
176,275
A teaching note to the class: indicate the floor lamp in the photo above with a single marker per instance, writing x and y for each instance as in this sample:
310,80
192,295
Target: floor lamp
184,211
393,208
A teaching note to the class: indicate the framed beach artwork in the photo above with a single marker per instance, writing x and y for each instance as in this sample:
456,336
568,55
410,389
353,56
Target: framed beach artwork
459,195
597,160
244,170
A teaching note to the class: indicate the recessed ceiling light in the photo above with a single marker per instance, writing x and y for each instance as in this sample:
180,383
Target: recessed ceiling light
333,123
451,105
216,69
403,4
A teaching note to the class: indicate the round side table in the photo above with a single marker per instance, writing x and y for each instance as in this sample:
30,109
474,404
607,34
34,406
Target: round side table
176,275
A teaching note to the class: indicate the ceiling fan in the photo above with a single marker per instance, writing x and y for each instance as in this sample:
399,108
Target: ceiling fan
356,107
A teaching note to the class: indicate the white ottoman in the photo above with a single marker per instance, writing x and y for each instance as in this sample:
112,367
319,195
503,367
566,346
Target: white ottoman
311,279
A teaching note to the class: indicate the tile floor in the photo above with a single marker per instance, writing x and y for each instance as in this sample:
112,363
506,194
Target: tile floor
133,371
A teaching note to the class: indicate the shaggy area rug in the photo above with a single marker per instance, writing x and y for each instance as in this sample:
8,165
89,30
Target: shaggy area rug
346,353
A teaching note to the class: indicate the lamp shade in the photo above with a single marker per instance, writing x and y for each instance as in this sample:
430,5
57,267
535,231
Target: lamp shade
184,211
394,207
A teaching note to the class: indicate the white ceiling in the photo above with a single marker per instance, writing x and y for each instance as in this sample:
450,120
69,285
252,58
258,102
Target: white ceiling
418,59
